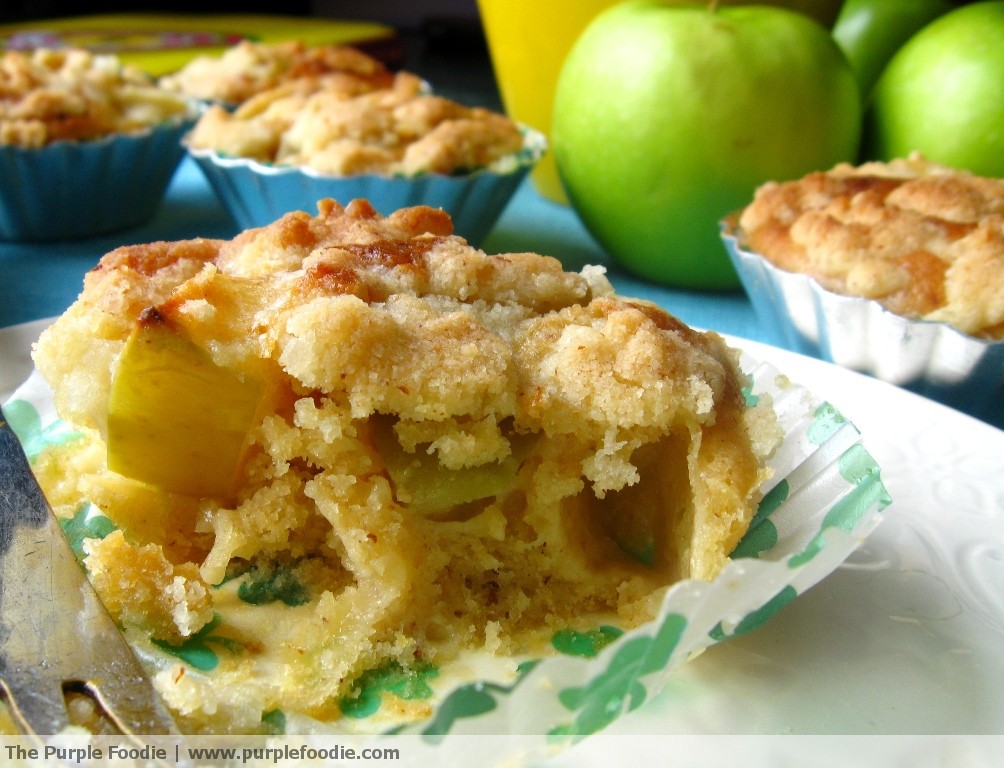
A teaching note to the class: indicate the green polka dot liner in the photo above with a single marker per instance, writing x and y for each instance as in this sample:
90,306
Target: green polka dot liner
825,497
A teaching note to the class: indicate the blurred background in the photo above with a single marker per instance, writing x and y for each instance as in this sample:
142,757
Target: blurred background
441,40
395,12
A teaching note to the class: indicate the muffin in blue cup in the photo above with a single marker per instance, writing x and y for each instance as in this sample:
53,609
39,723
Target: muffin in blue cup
396,146
892,269
87,145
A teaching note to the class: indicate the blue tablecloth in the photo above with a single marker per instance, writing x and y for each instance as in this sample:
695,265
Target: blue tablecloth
42,280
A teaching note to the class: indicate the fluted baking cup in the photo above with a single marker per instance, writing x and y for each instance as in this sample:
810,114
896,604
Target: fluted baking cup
930,358
74,189
257,193
825,497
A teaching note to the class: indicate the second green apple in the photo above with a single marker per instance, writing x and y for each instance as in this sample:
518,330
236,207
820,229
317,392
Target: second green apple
869,32
666,118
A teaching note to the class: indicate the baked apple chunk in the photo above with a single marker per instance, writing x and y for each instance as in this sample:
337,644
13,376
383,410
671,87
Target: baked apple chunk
176,419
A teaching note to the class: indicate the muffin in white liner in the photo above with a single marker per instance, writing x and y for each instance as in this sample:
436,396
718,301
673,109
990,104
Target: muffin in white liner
72,189
824,499
257,193
930,358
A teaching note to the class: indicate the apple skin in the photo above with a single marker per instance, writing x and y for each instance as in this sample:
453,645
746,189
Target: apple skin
667,118
823,11
942,94
869,32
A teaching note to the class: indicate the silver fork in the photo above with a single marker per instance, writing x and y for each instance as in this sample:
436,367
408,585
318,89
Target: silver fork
55,635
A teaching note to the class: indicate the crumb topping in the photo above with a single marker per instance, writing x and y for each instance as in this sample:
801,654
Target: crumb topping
925,241
340,127
75,95
249,67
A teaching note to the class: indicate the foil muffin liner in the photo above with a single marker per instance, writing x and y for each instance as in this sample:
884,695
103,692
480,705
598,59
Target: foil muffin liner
257,193
929,358
70,189
825,498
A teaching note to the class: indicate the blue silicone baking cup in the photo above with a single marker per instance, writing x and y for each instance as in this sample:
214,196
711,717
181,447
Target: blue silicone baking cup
257,193
75,189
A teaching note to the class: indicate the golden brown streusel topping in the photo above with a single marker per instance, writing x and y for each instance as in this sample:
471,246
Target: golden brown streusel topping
53,95
248,68
338,128
925,241
452,450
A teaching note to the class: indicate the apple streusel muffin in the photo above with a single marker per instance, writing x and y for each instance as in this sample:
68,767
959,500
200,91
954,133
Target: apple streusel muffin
396,446
923,240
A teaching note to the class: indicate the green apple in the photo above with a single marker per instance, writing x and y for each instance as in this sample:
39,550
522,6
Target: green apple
823,11
667,118
869,32
942,94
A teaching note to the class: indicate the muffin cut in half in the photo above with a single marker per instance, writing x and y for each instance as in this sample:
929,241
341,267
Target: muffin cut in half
411,447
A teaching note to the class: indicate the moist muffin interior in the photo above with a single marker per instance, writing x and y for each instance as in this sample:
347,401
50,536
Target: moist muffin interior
432,449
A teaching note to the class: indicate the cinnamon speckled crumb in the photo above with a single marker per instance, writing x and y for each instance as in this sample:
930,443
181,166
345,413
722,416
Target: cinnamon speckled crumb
342,127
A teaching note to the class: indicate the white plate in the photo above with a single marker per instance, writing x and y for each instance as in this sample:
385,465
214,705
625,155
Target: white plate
15,354
918,647
905,638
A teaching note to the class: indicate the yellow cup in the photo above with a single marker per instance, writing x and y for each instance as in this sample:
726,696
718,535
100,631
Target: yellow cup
528,41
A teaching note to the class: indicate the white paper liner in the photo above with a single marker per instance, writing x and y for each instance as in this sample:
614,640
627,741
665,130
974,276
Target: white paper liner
826,496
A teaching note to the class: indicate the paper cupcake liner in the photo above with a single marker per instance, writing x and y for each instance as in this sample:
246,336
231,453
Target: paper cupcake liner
825,497
258,193
75,189
932,359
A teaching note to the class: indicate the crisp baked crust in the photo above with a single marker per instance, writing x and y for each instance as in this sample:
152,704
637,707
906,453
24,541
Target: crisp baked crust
344,126
248,68
925,241
387,344
55,95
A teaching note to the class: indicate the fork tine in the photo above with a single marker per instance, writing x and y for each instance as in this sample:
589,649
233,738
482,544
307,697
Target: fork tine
55,630
133,707
37,708
107,667
67,636
118,682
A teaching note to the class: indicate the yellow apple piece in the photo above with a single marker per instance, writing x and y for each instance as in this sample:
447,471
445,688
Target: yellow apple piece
428,488
176,419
